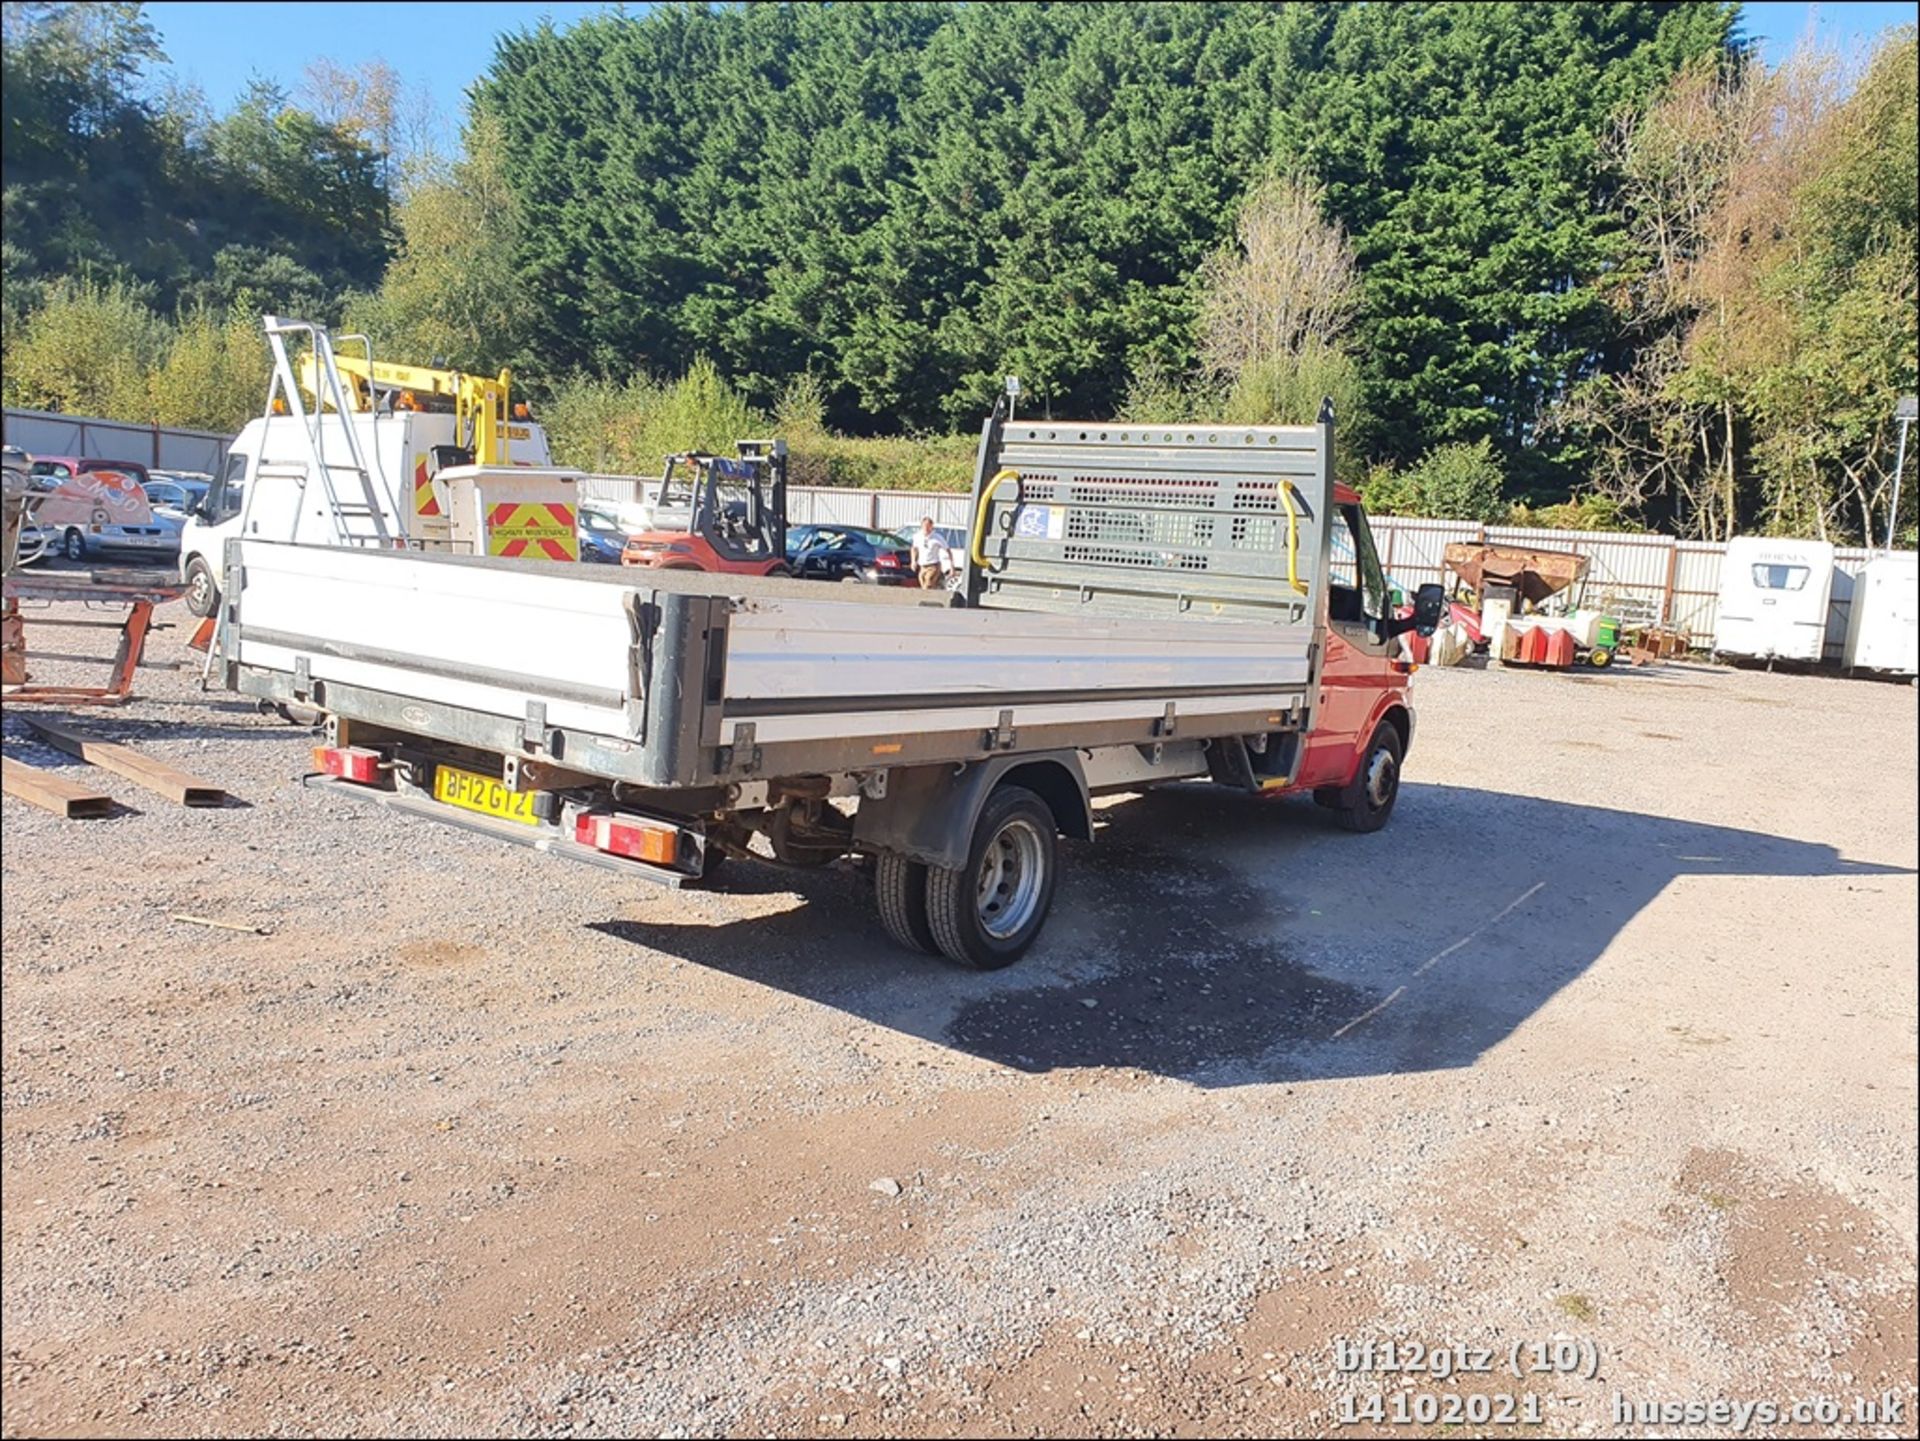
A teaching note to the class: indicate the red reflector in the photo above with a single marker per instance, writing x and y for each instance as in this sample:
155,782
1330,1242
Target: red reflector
629,836
351,763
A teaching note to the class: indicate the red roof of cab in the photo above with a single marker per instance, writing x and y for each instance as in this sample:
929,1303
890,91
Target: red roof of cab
1345,494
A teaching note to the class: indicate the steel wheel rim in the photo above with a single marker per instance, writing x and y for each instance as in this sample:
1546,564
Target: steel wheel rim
1008,885
1380,778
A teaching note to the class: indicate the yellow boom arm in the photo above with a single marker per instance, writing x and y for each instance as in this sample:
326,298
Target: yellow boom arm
479,402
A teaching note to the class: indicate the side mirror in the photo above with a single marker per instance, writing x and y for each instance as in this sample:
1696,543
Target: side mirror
1429,608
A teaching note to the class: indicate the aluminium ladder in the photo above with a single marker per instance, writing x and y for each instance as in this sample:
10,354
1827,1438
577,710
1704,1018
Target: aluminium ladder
357,516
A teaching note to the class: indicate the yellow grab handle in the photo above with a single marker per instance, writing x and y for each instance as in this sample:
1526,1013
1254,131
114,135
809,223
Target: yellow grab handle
980,516
1293,538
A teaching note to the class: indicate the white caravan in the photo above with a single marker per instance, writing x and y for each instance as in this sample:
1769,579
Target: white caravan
1883,627
1774,596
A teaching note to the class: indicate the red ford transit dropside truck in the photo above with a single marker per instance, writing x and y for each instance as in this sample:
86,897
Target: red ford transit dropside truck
1141,605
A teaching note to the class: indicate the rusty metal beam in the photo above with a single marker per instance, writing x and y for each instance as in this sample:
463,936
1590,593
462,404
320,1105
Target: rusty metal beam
142,769
51,792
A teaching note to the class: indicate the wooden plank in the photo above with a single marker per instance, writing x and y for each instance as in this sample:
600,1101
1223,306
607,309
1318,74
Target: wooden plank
143,770
250,930
51,792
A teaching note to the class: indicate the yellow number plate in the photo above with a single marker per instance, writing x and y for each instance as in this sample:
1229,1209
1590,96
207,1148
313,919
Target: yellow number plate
484,794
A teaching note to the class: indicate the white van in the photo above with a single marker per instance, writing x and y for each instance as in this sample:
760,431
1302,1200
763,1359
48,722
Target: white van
1774,596
1883,626
404,450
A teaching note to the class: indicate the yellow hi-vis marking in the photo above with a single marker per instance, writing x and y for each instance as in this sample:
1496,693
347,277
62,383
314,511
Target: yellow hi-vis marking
539,529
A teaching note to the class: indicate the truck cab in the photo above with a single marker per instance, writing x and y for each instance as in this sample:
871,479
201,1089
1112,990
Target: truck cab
1364,726
1171,526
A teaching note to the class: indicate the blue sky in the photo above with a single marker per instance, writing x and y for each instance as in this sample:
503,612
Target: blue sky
444,48
1779,27
441,48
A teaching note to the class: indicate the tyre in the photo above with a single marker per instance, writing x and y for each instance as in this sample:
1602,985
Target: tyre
74,547
986,913
901,887
1599,657
1368,800
203,594
781,570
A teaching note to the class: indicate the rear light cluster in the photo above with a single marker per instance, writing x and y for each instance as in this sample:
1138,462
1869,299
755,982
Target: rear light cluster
889,560
629,836
350,763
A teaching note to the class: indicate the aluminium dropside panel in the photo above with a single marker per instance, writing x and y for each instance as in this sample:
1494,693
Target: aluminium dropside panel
673,679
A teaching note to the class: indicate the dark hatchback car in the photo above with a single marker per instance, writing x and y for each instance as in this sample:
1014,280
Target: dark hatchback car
853,553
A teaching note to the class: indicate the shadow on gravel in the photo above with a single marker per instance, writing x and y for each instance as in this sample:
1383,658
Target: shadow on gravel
106,725
1228,941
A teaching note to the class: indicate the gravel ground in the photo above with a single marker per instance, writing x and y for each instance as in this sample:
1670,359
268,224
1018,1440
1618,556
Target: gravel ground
1609,1037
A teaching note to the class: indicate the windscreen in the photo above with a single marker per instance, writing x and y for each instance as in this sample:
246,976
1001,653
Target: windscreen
1780,577
227,493
119,467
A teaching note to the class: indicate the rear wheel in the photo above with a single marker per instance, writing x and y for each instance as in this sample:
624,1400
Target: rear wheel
987,912
1600,657
203,594
901,886
1368,801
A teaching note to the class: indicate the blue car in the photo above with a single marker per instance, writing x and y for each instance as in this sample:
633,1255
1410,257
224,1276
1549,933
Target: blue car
601,538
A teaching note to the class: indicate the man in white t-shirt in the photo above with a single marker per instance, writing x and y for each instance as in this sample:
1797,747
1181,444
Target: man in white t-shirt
932,559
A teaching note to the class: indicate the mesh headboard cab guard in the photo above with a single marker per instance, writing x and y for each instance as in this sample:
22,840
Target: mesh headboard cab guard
1217,521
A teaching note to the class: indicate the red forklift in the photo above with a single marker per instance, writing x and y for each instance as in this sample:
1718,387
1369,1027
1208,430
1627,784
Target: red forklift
717,513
